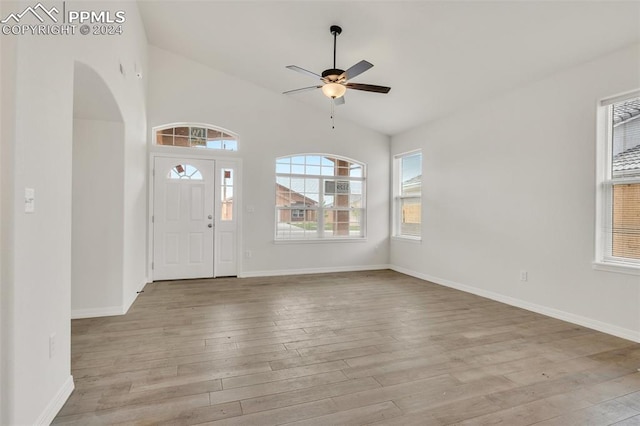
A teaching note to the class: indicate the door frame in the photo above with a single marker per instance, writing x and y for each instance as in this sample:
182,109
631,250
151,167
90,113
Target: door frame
179,153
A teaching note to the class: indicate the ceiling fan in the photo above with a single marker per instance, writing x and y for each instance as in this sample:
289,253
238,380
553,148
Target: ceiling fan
334,82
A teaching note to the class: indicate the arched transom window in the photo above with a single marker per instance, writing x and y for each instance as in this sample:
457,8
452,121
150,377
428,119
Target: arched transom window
196,136
319,196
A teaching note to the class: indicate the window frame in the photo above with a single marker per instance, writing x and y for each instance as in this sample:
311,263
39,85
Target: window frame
605,182
398,197
319,210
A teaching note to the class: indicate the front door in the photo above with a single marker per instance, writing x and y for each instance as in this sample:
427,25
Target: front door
183,218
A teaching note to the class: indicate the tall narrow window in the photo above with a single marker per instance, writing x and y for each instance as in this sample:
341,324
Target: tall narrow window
408,195
319,197
621,183
226,194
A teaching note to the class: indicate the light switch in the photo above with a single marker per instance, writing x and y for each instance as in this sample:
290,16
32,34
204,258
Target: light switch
29,200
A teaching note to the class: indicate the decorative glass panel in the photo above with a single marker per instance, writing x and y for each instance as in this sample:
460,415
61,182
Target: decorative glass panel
226,194
184,171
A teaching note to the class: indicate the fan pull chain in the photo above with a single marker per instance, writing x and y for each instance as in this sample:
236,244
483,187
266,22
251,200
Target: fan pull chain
333,121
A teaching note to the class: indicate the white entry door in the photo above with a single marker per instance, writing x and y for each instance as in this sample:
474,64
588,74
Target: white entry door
183,218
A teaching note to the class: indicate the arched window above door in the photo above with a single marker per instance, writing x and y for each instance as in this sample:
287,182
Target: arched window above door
198,136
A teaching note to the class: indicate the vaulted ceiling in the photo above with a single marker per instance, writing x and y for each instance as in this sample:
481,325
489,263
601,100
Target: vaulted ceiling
438,56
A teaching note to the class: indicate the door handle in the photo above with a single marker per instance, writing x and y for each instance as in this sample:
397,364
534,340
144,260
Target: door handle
210,225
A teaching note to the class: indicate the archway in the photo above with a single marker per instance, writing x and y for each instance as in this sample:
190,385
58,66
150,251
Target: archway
97,198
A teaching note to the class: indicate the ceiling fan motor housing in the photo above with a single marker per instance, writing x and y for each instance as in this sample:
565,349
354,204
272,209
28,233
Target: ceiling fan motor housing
332,74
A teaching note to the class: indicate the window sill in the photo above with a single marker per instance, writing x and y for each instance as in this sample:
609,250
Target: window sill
414,240
620,268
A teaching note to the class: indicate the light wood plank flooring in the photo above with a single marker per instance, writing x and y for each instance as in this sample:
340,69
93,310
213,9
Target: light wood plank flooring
351,348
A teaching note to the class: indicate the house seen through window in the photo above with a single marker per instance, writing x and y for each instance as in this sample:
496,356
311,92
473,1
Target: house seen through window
319,197
623,182
408,195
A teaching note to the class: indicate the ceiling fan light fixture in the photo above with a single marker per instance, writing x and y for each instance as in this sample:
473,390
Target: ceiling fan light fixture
333,90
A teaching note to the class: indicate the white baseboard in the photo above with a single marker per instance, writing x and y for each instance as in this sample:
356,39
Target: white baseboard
133,297
324,270
604,327
108,311
55,405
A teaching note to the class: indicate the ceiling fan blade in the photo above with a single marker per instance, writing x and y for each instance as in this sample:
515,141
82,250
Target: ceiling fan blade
356,70
304,89
368,87
339,101
305,72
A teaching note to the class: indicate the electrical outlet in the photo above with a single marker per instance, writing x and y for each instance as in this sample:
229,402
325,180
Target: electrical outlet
524,275
52,345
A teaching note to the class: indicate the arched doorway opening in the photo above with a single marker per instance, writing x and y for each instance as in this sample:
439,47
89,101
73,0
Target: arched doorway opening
97,197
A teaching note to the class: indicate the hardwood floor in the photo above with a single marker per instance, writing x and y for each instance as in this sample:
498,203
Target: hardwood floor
351,348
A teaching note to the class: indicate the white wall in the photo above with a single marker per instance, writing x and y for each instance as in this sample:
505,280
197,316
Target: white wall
97,218
509,185
272,125
7,140
40,275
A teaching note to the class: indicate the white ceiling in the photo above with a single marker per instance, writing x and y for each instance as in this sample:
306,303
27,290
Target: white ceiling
438,56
